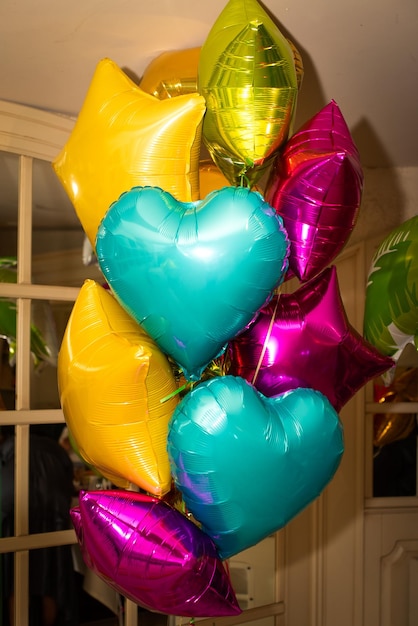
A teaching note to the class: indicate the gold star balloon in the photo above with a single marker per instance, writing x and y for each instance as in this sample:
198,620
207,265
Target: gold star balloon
172,73
248,77
125,137
117,392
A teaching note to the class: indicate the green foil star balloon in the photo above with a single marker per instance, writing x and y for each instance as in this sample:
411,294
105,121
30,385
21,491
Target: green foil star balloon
248,77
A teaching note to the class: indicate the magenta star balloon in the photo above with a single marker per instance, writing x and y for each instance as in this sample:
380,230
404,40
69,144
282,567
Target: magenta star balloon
152,554
316,186
304,339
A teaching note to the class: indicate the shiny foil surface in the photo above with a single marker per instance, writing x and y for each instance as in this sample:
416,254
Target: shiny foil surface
304,339
152,554
316,185
248,78
124,137
112,379
192,274
247,464
391,311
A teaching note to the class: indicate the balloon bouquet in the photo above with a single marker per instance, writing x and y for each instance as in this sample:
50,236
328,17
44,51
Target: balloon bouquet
194,254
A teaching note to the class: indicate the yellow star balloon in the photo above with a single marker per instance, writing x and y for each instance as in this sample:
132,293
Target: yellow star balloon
172,73
125,137
116,391
248,77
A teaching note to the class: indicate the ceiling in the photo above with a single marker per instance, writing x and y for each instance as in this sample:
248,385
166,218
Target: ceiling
361,54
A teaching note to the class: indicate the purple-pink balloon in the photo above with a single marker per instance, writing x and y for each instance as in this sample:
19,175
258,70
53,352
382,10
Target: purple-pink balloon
307,341
152,554
316,186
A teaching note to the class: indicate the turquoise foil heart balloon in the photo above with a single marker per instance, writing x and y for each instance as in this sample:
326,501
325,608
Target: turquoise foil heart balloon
192,274
246,464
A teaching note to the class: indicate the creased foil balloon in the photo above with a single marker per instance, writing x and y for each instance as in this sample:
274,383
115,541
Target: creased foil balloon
112,380
389,427
248,78
316,185
172,73
152,554
391,312
125,137
304,339
192,274
247,464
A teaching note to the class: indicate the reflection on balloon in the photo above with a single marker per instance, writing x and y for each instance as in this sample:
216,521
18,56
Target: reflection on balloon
125,137
248,78
172,74
112,380
391,312
247,464
316,186
190,288
304,339
152,554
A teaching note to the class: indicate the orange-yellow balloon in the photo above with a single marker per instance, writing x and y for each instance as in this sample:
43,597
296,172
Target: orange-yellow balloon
172,74
123,138
210,178
112,378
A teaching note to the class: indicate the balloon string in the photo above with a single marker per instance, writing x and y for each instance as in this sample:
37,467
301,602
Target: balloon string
174,393
266,340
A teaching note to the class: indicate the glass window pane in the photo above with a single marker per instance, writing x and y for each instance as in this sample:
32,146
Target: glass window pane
395,437
61,253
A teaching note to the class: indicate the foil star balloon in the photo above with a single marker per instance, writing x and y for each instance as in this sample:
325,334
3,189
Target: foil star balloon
391,312
192,274
172,73
247,464
316,186
248,78
112,379
304,339
152,554
125,137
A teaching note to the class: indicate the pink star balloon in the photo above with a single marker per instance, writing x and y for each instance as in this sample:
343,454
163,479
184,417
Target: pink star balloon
307,341
316,186
152,554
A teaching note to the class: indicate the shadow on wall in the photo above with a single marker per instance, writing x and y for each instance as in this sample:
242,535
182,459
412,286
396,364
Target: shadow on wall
384,200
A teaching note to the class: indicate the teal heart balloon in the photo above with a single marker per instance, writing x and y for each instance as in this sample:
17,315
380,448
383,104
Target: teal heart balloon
246,464
192,274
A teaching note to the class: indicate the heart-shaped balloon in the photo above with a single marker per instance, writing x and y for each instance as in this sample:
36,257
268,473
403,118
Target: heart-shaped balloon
192,274
247,464
152,554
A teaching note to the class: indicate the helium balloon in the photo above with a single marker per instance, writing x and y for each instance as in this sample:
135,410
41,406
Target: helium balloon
113,380
248,78
192,274
316,186
391,312
304,339
152,554
247,464
172,74
210,178
390,427
125,137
